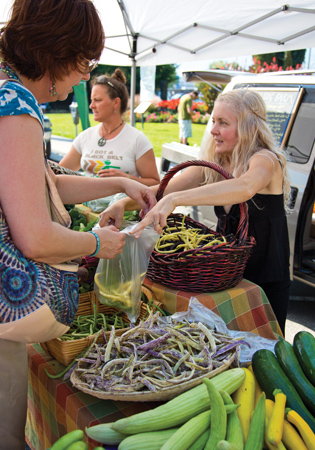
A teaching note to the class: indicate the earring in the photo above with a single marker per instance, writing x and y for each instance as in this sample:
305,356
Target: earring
52,89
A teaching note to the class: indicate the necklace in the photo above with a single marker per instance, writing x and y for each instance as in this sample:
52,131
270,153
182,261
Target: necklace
102,141
8,71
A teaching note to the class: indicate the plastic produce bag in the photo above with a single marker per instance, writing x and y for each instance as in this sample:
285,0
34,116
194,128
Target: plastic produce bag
118,281
197,312
100,204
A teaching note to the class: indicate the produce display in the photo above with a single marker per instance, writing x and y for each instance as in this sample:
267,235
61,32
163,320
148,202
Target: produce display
154,356
252,408
269,405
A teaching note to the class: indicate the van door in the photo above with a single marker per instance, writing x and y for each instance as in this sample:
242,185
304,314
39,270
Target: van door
300,149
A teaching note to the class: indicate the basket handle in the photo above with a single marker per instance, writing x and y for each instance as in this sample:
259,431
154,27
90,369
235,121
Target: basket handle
242,229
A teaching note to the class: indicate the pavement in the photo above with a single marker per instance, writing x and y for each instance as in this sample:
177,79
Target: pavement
301,313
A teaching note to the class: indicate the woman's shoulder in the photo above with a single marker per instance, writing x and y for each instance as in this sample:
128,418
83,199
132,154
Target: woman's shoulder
15,99
266,154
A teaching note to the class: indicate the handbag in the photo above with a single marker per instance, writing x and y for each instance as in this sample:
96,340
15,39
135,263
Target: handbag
38,301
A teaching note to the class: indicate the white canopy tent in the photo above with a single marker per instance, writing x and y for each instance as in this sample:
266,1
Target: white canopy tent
154,32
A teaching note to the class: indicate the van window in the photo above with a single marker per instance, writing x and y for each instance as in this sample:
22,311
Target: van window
291,116
302,137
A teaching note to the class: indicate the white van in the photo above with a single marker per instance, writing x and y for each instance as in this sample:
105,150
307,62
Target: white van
290,101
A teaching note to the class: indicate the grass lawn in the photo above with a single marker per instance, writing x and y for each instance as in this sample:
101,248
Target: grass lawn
157,133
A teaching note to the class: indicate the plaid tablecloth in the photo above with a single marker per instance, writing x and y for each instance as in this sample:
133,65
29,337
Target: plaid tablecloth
244,307
55,407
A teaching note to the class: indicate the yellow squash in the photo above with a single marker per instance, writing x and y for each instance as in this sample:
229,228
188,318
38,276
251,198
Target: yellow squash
290,437
276,421
303,427
245,397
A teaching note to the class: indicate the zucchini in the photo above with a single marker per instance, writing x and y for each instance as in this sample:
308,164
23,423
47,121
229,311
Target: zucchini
304,348
271,376
290,364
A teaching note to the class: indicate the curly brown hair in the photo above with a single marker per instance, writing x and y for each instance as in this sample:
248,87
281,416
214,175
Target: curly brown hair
51,35
115,85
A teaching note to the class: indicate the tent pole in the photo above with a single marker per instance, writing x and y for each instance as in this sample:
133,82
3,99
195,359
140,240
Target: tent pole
133,92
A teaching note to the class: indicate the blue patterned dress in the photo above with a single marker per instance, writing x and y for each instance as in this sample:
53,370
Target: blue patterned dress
25,285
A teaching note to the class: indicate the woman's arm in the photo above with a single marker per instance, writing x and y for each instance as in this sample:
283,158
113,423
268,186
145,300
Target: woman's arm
74,189
187,179
72,160
259,177
146,167
23,199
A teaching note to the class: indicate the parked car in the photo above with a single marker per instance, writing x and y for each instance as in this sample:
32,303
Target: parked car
290,101
47,135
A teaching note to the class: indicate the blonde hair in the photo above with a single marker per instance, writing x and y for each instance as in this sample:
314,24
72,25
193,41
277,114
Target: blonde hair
254,135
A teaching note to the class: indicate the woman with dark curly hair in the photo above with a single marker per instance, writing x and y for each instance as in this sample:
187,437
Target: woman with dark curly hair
46,47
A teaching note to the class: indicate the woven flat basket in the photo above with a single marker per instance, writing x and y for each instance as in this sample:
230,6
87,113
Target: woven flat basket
205,269
162,394
66,351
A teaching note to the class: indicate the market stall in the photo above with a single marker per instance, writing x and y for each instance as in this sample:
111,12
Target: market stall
55,407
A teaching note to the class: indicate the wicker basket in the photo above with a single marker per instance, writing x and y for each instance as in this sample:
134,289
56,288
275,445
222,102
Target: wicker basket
205,269
161,395
66,351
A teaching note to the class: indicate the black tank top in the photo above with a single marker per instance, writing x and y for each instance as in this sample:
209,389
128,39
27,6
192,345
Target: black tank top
269,261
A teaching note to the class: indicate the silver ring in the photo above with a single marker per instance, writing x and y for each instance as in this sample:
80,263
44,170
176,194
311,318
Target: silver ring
154,223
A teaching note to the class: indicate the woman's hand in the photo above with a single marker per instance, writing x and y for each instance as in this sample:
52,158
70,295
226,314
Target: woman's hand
143,195
157,216
111,173
112,242
113,215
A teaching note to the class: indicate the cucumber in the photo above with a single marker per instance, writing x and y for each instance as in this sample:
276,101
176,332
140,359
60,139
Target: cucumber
270,376
304,348
65,441
291,366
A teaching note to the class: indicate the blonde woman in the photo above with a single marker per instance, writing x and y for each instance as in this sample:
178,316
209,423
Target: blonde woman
242,143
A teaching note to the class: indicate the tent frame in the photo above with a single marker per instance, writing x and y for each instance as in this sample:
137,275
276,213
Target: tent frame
135,56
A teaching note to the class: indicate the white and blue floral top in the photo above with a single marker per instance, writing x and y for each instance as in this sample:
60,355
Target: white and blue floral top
15,100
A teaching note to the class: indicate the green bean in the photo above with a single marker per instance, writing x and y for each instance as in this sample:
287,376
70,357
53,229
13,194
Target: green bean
63,372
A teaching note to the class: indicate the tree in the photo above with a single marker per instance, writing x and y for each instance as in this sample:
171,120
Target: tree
165,76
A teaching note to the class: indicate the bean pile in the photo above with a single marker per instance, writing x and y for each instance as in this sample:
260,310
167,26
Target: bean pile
86,325
151,356
176,239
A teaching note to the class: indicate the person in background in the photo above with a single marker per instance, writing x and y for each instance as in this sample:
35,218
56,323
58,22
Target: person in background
242,143
185,113
113,148
46,47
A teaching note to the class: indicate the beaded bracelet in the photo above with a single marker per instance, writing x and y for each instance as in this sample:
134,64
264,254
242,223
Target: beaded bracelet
98,243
